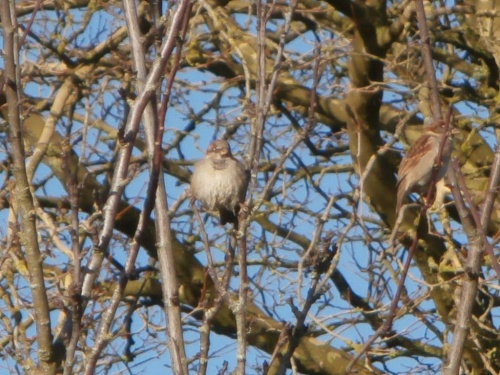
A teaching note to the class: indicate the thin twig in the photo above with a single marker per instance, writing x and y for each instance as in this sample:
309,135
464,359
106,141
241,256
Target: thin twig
385,328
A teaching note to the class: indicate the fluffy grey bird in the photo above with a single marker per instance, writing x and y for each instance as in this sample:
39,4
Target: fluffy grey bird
219,182
415,170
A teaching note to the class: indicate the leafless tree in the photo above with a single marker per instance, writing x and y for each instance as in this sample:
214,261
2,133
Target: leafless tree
107,266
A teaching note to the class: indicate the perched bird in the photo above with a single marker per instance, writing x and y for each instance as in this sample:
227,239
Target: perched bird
219,182
415,170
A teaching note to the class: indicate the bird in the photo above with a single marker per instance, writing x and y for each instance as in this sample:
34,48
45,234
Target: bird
219,182
415,170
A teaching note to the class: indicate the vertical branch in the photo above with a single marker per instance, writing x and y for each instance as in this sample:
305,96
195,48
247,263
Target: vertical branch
476,242
475,230
427,57
469,290
255,149
170,284
144,106
241,315
29,233
75,286
154,135
263,94
264,97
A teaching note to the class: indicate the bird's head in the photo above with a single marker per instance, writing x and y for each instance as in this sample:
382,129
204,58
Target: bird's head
219,149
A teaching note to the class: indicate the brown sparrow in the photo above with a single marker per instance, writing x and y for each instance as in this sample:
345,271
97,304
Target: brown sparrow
219,182
415,170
